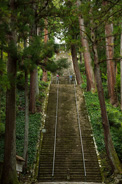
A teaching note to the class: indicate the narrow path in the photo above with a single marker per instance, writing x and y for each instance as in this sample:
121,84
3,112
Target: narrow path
69,160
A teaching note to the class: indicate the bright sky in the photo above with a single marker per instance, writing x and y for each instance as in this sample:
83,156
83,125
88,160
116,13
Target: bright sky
58,41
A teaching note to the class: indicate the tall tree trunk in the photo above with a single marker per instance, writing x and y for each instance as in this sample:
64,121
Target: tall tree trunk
91,86
111,66
110,150
26,120
75,64
121,64
44,77
0,86
9,175
34,88
37,84
33,77
111,69
25,154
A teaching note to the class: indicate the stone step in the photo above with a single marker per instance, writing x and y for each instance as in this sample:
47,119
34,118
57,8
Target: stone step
72,169
68,148
67,182
80,178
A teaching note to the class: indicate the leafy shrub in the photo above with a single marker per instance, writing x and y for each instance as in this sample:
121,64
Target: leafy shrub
84,84
118,79
105,89
94,112
34,125
82,67
115,120
43,85
114,116
48,76
117,139
104,77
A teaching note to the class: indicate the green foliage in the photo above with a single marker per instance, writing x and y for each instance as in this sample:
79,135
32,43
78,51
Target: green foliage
118,82
117,138
82,67
20,101
84,84
115,119
31,54
49,76
2,107
105,88
58,65
36,53
2,129
114,116
104,77
20,80
4,83
34,125
94,112
1,148
56,48
47,50
57,3
42,86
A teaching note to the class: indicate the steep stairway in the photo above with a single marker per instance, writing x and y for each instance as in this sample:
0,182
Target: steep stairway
72,161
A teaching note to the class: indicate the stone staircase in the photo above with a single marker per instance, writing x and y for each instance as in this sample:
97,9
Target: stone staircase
69,164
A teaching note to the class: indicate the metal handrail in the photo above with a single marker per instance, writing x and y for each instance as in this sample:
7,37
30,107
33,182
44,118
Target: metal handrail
81,139
55,132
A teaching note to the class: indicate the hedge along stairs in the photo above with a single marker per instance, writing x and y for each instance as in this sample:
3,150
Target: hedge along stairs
62,157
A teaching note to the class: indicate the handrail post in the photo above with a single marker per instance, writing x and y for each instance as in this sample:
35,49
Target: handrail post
81,139
55,132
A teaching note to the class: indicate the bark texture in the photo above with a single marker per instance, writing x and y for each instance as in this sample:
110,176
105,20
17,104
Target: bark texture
9,175
121,64
25,155
33,77
75,64
1,73
110,150
91,86
34,88
111,67
44,77
9,168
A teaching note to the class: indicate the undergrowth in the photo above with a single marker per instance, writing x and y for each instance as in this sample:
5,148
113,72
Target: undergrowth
34,125
115,121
